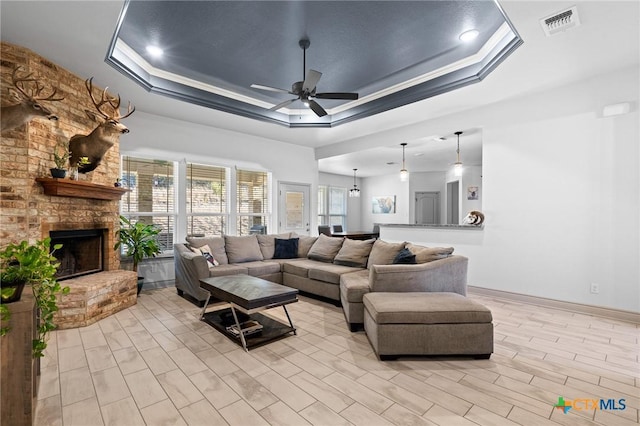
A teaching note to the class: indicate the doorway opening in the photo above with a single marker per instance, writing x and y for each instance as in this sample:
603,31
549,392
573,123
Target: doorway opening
453,203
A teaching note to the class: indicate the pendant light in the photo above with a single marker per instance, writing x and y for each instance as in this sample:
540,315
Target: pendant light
354,192
457,166
404,173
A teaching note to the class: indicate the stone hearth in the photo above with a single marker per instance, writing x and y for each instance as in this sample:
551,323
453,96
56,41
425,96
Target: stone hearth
94,297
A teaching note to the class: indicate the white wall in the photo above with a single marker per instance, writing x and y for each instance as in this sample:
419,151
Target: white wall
387,185
472,176
168,139
561,194
353,204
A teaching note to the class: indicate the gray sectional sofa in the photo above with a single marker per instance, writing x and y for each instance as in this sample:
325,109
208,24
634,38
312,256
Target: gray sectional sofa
341,270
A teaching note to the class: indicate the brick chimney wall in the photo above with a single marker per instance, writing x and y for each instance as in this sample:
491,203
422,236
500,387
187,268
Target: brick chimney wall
27,153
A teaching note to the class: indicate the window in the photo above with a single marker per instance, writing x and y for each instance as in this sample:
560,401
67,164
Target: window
332,205
207,212
252,192
151,196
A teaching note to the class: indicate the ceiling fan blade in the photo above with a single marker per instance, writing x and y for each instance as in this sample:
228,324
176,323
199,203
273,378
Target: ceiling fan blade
282,104
336,95
311,80
269,88
320,112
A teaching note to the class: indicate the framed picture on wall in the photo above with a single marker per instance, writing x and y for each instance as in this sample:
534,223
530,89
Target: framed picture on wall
384,204
472,193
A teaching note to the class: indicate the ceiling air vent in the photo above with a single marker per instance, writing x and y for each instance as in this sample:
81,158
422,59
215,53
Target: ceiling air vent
561,21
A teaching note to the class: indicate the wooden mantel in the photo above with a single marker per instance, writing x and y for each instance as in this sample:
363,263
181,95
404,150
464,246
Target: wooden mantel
80,189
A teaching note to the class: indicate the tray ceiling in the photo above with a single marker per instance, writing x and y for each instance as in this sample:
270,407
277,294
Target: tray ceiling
392,53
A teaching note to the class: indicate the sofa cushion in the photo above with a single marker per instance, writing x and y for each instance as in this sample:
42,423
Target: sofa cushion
354,253
354,285
267,243
286,249
299,267
425,308
260,267
405,257
242,249
429,254
304,245
224,270
329,272
216,244
325,248
383,253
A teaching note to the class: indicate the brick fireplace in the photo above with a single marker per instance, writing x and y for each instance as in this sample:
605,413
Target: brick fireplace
28,213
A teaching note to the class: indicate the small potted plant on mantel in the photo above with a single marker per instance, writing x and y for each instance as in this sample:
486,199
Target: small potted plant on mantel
139,240
60,160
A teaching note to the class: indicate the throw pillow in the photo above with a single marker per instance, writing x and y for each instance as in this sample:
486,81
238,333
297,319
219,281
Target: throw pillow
325,248
242,249
216,244
354,253
383,253
267,244
404,257
286,249
205,252
304,245
429,254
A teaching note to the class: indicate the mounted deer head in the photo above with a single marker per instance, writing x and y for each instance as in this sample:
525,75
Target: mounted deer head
94,145
27,92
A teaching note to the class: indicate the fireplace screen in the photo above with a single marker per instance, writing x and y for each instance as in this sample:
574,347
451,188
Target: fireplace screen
81,252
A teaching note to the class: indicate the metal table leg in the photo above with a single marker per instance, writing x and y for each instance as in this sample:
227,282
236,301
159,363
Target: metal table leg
235,317
206,303
289,318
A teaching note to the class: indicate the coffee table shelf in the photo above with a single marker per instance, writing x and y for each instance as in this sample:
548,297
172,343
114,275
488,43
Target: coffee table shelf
272,329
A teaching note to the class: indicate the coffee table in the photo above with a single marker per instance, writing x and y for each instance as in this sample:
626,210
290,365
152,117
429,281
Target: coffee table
248,295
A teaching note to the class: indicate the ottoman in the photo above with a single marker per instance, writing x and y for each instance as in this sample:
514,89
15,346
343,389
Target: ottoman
427,324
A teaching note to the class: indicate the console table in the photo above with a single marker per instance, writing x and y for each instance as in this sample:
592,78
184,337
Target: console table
19,370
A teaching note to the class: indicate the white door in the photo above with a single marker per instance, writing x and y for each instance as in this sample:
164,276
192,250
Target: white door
293,208
428,208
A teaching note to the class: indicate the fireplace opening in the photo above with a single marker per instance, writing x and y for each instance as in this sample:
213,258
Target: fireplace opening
81,253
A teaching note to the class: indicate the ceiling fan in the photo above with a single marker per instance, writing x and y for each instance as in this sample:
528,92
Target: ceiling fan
305,90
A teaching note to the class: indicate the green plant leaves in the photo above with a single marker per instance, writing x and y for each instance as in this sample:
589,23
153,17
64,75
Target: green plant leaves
139,240
36,265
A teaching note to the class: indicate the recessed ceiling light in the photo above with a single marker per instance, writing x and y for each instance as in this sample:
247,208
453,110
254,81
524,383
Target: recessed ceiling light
440,139
418,154
469,35
154,51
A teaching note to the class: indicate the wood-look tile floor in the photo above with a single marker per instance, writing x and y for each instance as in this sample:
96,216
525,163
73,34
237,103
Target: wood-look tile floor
157,364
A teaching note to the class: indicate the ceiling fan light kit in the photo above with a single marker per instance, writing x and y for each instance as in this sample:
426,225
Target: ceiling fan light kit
305,90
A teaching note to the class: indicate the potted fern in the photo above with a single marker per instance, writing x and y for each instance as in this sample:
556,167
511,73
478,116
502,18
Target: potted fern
139,240
35,265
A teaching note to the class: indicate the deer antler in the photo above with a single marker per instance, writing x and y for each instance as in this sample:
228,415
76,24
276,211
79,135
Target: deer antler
106,99
34,94
19,81
129,112
89,85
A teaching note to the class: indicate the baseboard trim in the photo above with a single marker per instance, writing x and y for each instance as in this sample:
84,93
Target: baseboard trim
617,314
